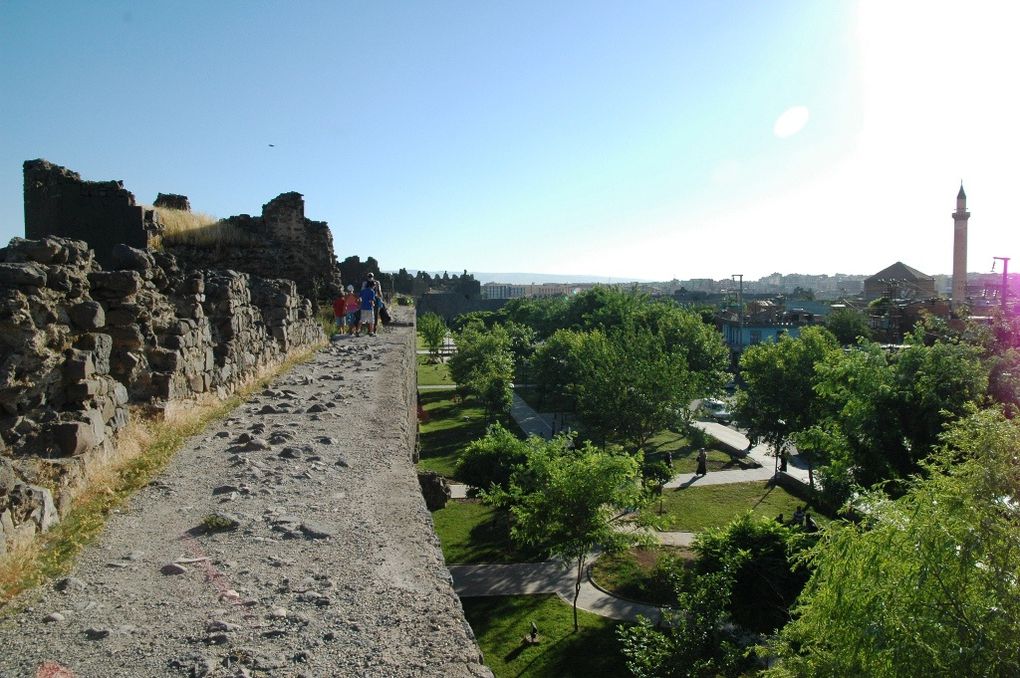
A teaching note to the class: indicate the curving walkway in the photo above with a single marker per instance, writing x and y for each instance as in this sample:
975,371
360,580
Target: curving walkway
550,576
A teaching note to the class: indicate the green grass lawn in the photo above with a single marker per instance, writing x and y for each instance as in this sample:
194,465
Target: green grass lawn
695,508
430,374
640,573
450,427
500,623
472,532
685,456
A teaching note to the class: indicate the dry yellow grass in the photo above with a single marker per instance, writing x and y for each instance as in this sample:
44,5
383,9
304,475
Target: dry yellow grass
199,229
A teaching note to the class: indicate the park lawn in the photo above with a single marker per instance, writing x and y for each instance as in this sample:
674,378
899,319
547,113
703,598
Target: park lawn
430,374
693,509
449,427
641,573
473,532
501,622
685,455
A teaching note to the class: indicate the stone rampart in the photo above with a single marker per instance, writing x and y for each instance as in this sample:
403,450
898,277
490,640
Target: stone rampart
281,243
79,344
102,213
284,244
451,305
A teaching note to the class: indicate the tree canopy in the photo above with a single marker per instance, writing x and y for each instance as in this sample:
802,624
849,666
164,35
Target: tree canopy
564,500
929,583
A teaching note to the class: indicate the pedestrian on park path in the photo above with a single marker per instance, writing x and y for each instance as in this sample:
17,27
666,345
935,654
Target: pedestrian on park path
702,463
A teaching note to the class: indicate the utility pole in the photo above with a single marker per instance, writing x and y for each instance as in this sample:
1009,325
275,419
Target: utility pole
1005,278
740,310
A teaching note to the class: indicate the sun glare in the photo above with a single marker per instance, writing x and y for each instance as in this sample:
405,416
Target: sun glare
791,121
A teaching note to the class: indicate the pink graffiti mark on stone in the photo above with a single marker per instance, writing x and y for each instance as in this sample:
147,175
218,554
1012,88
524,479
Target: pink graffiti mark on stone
49,669
213,575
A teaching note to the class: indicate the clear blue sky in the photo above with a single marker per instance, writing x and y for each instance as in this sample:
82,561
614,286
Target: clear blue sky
617,139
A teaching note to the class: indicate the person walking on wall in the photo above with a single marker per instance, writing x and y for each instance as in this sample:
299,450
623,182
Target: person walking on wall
376,286
352,306
367,309
340,313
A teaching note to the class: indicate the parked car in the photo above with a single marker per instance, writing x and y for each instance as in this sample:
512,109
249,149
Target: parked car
718,410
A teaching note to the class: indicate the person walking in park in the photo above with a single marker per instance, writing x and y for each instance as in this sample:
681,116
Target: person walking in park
702,462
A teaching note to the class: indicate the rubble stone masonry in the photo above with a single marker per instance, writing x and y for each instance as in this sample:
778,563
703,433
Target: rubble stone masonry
79,343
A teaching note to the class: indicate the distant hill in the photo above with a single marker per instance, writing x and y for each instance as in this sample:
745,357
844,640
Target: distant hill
536,278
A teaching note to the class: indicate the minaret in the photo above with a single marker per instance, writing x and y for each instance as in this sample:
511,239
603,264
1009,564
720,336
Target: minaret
960,217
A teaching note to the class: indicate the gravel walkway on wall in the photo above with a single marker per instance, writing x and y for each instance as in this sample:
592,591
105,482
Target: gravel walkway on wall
327,563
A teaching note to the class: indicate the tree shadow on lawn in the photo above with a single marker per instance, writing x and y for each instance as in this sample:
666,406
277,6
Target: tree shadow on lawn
451,425
491,540
502,623
685,456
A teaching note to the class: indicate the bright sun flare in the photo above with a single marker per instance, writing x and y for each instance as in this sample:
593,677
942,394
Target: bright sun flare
791,121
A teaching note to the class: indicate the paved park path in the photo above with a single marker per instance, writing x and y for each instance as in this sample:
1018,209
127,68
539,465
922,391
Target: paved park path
551,576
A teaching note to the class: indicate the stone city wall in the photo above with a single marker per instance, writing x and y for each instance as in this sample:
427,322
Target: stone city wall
102,213
450,305
79,344
284,244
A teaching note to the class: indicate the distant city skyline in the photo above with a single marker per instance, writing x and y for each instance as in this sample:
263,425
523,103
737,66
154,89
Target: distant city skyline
655,141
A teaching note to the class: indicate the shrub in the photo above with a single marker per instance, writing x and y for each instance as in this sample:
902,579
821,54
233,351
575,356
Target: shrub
756,554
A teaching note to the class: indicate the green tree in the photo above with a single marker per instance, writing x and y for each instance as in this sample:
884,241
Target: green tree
630,387
847,324
778,398
929,583
483,367
697,640
882,411
758,555
433,332
522,346
555,366
491,460
544,316
566,502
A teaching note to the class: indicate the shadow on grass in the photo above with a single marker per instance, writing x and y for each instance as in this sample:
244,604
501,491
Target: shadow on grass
500,624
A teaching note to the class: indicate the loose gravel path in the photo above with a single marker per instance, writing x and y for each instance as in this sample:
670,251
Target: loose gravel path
328,566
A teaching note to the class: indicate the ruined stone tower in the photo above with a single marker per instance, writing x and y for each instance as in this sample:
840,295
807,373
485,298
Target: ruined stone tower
960,217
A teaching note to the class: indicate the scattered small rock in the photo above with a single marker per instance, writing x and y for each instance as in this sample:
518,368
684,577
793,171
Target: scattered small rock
97,632
53,617
173,568
69,584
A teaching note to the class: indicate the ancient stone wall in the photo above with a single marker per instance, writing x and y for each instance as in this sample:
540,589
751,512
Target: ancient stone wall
285,244
79,344
450,305
102,213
